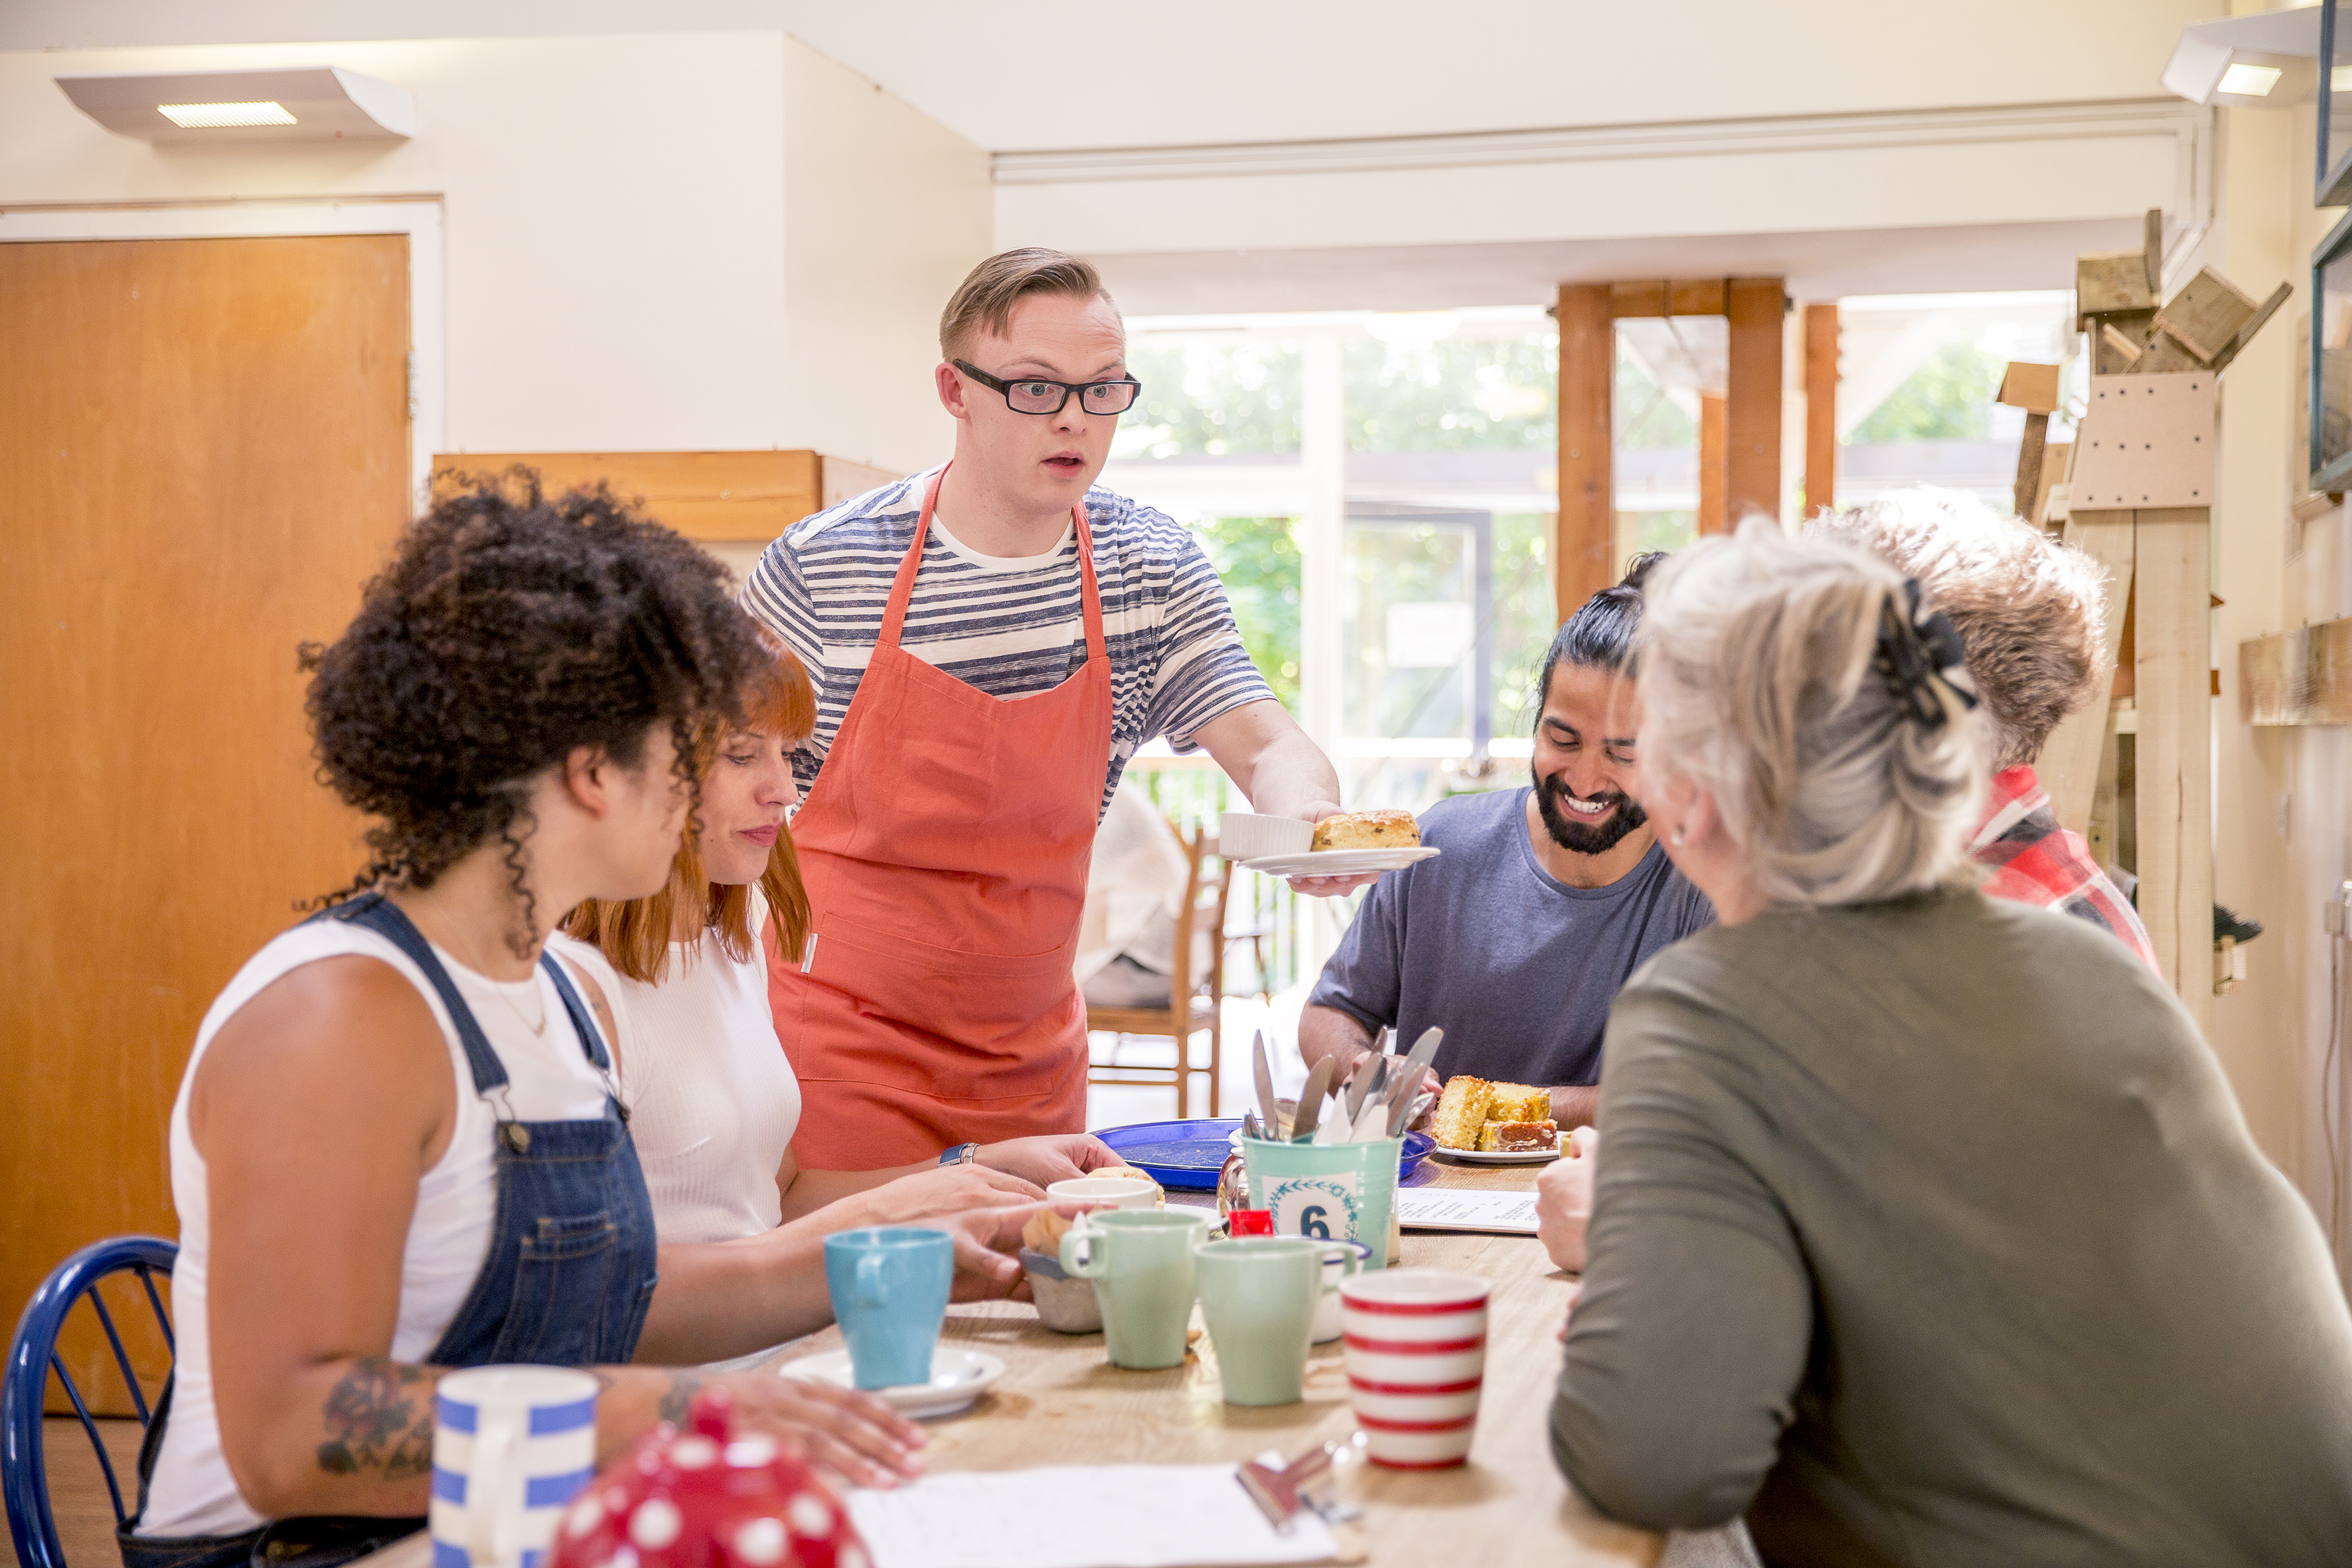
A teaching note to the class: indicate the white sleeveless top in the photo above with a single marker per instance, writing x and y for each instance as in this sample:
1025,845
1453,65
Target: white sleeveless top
713,1103
550,1080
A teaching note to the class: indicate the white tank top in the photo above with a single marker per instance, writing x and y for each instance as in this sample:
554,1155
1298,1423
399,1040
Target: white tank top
550,1080
712,1100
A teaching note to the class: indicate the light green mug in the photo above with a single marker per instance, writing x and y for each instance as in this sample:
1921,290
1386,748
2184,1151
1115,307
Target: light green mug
1259,1294
1140,1261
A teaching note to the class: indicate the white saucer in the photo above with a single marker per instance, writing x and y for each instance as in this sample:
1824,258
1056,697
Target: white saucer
1505,1157
958,1377
1338,862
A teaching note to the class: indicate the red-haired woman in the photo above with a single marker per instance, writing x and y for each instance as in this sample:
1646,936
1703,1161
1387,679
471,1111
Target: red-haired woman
713,1103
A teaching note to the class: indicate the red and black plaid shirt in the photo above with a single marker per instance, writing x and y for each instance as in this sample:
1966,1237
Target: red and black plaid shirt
2032,859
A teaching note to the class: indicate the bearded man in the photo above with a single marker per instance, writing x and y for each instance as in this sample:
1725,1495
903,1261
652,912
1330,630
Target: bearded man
1517,937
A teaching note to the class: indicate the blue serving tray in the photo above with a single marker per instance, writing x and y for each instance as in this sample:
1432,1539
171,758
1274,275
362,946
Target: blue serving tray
1187,1155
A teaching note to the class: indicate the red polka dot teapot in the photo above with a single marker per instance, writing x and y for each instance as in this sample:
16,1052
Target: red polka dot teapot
707,1498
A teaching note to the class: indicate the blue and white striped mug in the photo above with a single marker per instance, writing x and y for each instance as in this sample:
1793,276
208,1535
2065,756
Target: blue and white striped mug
511,1446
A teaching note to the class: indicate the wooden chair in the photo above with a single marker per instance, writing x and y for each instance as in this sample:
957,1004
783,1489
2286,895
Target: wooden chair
1193,1000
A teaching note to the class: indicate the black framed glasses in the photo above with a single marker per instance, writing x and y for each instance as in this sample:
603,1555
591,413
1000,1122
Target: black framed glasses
1031,395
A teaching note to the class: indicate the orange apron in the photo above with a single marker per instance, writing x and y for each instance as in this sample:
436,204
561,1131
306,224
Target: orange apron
945,844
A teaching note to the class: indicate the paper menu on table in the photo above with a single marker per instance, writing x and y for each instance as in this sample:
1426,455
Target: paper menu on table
1441,1208
1081,1516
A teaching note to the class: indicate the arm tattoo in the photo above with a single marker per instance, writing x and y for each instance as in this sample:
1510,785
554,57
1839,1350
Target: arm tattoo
683,1386
379,1420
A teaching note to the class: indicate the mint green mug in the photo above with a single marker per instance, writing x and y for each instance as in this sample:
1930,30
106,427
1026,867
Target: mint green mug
1140,1261
1259,1294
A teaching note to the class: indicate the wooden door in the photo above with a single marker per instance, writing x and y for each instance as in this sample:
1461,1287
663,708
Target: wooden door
204,452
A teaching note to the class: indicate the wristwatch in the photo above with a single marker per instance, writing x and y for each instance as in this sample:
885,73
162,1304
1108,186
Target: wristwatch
961,1154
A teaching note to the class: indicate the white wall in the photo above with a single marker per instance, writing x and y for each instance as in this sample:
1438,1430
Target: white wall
621,248
2282,797
885,213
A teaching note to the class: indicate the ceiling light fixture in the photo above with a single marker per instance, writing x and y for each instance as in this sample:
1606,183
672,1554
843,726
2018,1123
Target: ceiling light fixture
191,116
301,103
2268,60
2244,80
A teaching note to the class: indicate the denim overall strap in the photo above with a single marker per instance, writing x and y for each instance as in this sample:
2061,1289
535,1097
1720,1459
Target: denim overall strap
382,916
566,1281
591,1039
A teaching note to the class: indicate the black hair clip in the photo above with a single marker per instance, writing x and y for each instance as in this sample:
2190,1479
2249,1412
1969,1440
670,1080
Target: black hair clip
1917,652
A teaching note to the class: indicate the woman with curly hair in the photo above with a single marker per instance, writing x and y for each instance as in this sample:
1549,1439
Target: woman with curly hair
397,1148
713,1102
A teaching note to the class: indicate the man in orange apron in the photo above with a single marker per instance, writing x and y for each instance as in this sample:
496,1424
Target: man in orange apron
990,641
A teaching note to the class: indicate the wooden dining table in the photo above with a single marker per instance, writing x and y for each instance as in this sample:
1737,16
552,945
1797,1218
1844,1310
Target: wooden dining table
1061,1402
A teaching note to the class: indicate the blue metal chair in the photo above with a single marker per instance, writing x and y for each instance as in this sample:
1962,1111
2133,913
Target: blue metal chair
32,1356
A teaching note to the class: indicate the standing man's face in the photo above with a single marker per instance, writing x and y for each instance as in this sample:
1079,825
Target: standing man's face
1584,765
1039,463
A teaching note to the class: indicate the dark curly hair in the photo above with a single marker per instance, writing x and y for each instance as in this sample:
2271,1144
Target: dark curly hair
507,630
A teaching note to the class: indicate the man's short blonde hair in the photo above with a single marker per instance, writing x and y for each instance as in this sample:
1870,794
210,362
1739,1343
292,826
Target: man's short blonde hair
1760,683
988,293
2030,612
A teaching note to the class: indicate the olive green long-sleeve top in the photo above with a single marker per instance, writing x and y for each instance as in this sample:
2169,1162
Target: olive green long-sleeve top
1928,1233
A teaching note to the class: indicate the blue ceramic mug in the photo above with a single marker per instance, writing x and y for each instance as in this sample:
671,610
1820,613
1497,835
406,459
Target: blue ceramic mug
889,1288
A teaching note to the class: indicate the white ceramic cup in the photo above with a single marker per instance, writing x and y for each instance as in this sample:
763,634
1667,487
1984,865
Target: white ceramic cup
1243,836
511,1446
1117,1192
1416,1354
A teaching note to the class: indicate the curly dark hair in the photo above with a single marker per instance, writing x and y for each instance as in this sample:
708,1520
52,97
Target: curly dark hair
507,630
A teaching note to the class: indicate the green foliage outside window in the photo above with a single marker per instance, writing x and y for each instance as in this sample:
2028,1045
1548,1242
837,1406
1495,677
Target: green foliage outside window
1211,397
1948,399
1458,394
1257,557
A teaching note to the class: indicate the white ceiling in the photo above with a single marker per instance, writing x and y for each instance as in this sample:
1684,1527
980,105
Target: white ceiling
1209,71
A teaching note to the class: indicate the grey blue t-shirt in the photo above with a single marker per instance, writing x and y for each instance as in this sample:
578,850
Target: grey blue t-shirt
1516,966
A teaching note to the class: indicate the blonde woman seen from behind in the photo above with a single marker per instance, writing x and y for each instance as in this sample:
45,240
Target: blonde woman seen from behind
1924,1228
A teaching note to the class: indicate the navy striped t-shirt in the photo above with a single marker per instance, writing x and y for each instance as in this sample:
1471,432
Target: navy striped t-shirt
1009,628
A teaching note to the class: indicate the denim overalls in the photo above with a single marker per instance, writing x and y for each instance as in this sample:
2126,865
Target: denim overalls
566,1281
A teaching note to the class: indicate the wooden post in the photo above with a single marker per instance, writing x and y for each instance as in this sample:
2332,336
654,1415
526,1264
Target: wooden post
1757,308
2069,764
2172,681
1585,540
1820,407
1713,432
2030,448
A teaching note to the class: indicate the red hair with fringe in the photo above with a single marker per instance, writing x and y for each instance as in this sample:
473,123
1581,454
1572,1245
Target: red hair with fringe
635,935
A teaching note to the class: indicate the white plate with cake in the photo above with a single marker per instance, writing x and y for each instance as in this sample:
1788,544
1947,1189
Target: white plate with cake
1484,1123
1349,845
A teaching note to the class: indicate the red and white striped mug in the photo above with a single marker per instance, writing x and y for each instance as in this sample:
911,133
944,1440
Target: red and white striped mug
1416,1354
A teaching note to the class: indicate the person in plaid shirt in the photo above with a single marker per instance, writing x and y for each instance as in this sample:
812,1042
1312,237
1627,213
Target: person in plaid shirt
2032,613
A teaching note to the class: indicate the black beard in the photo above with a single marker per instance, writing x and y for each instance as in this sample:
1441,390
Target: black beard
1579,838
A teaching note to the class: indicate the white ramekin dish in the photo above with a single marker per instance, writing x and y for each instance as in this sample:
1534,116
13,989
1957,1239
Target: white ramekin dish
1242,835
1119,1191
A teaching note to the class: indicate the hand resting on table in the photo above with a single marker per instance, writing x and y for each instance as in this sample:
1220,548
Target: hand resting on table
1564,1200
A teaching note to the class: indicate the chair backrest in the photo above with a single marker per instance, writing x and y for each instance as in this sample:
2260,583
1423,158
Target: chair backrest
1204,909
33,1355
